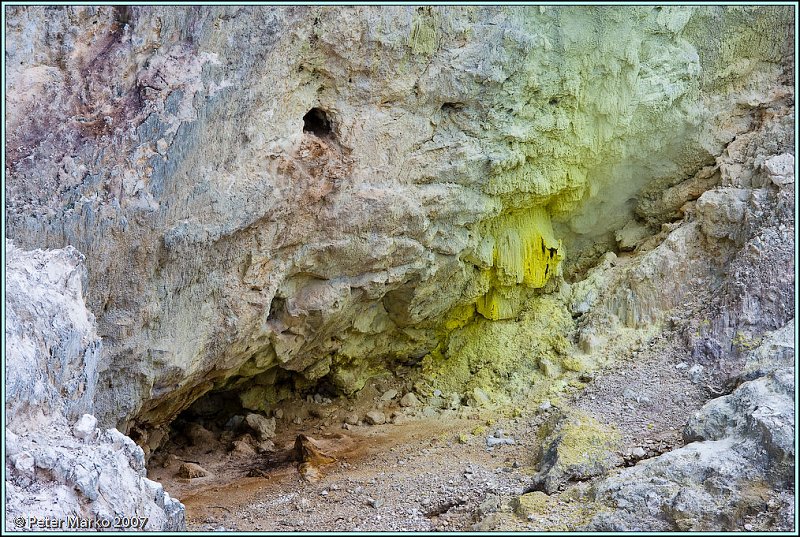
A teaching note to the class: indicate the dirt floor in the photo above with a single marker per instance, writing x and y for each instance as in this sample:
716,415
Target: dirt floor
426,471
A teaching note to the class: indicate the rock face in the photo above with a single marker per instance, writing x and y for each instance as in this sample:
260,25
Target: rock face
270,196
732,254
59,465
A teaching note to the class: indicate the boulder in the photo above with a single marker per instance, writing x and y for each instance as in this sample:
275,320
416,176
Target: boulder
264,427
573,447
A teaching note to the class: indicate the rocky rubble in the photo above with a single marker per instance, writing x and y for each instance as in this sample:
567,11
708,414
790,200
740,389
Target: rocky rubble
737,466
59,465
739,460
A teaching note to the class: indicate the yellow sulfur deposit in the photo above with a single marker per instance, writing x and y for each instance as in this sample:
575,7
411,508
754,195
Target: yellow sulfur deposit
526,253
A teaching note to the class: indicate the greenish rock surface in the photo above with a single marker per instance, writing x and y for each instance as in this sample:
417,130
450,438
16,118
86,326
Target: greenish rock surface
574,447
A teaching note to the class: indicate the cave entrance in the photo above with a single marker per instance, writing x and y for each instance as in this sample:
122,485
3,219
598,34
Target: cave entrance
318,122
219,422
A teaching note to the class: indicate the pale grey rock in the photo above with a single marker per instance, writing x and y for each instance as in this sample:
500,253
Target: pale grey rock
667,493
60,463
85,427
761,410
721,213
734,441
492,441
640,294
375,417
50,334
430,411
87,481
780,169
696,373
437,401
409,400
774,351
454,401
23,462
351,419
11,443
630,235
388,395
263,426
585,292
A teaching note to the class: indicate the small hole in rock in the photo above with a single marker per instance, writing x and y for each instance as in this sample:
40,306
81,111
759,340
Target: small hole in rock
451,107
316,121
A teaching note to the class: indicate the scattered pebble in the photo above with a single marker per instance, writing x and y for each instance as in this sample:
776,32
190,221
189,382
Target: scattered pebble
351,419
696,373
190,470
409,400
389,395
375,417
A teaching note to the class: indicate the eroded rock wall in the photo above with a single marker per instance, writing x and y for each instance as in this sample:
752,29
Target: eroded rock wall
232,244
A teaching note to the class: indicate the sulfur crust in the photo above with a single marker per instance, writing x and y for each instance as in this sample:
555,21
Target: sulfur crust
526,253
